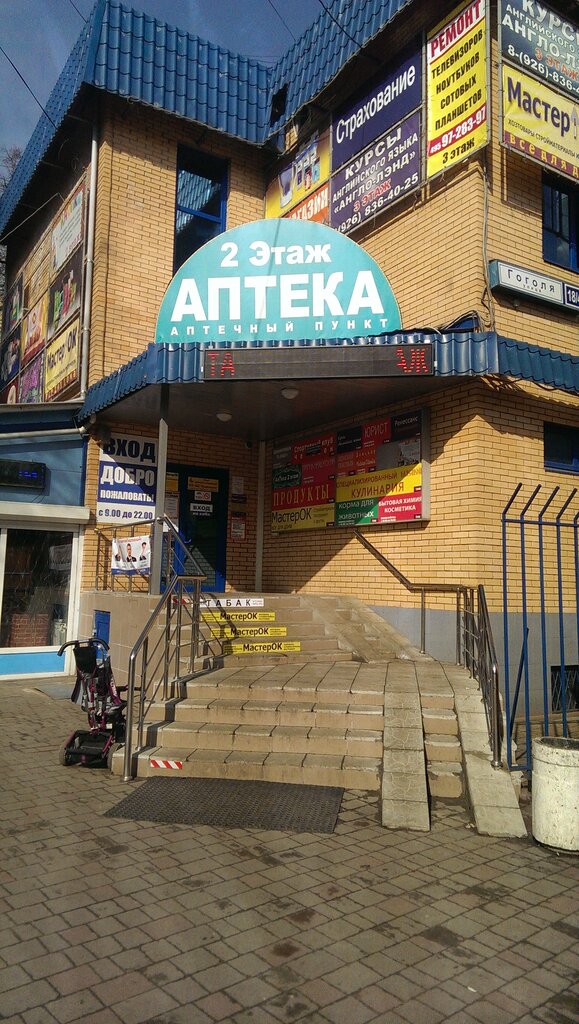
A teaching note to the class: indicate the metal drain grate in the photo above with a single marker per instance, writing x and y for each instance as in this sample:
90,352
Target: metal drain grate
229,803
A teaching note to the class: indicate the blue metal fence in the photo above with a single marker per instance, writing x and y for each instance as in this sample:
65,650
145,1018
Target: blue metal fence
540,552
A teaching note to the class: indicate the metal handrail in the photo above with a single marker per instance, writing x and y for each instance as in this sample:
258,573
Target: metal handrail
177,538
177,597
487,677
477,649
423,588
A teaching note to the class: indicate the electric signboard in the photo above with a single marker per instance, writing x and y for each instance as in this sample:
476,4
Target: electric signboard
323,362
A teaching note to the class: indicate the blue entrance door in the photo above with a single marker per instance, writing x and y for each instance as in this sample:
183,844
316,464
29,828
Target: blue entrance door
201,500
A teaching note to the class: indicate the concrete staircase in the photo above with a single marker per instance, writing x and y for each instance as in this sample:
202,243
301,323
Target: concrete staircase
328,695
267,629
315,723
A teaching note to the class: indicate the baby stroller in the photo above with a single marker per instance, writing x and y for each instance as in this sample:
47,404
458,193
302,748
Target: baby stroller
98,695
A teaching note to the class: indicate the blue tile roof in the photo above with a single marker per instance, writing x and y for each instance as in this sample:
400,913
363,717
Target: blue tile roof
149,61
321,53
127,53
457,354
59,102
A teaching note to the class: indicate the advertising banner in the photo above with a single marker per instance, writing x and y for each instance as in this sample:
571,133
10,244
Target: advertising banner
30,389
540,123
131,556
64,294
67,230
541,42
34,335
456,86
316,207
62,361
377,177
37,273
9,395
368,473
9,358
277,279
375,113
13,307
299,177
127,480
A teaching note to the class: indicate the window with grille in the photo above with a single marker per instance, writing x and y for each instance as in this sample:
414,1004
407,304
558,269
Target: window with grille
571,688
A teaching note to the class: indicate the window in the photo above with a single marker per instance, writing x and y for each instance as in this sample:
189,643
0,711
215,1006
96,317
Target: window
35,588
201,202
561,447
571,688
560,223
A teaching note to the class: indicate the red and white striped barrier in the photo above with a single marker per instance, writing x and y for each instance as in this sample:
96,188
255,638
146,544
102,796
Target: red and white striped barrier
157,762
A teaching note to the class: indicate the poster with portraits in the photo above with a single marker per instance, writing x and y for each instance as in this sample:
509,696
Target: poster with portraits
131,556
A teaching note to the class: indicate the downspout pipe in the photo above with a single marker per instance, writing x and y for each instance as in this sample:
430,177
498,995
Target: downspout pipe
87,304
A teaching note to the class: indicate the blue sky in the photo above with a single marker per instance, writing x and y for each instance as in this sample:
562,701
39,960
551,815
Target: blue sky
38,36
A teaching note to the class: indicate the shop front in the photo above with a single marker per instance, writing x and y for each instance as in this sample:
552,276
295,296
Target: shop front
41,530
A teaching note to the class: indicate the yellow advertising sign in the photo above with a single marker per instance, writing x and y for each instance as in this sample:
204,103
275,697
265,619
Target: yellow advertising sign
245,616
229,631
456,64
300,178
309,517
201,483
540,123
263,647
401,480
62,360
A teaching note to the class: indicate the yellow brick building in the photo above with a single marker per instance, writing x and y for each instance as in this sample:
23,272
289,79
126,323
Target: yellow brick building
482,268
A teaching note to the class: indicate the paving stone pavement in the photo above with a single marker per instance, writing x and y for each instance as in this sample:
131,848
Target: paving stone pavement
125,922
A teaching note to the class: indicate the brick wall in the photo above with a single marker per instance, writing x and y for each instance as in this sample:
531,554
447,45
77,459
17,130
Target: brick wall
135,221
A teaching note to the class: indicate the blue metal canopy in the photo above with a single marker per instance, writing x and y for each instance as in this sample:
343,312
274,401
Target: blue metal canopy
455,355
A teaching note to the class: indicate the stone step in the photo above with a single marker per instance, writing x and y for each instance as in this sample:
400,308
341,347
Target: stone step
271,645
290,739
211,659
442,748
439,722
310,713
439,700
445,779
345,771
297,692
222,631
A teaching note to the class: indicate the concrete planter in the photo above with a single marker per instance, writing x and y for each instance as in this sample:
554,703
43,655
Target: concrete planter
555,793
